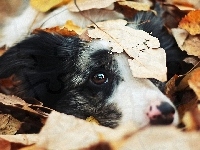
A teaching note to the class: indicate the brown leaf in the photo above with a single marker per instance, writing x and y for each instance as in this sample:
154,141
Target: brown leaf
32,117
194,81
170,88
60,30
8,124
4,145
7,85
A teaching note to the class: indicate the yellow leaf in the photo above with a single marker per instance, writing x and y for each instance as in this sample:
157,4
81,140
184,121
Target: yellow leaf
92,119
45,5
72,27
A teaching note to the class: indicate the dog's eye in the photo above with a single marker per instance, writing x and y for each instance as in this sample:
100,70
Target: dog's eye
99,78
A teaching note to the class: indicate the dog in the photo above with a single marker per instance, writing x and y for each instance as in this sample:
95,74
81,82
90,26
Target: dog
83,79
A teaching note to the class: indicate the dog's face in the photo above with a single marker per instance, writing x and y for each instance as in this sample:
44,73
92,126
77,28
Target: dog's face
105,89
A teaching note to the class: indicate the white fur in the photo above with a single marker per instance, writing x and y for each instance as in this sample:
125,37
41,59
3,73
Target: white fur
133,96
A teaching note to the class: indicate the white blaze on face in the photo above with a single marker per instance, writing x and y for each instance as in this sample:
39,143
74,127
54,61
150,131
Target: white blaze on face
133,96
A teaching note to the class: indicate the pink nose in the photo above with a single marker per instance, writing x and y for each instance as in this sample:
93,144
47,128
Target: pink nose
161,114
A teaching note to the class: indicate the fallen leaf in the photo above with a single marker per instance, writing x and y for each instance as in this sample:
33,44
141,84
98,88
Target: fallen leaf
125,10
189,121
180,36
88,4
8,124
187,101
136,5
25,139
195,4
192,44
170,88
31,117
2,50
191,22
148,60
67,132
92,119
194,81
187,42
60,30
45,5
4,144
163,138
72,27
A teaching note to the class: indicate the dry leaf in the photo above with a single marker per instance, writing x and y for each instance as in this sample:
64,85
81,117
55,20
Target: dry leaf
8,124
180,36
192,44
189,122
67,132
170,88
148,59
125,10
4,144
163,138
45,5
194,81
92,119
2,50
25,139
186,42
31,117
88,4
72,27
185,3
136,5
60,30
191,22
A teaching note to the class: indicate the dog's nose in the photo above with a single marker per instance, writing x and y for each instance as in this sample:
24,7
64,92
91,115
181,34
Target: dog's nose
161,114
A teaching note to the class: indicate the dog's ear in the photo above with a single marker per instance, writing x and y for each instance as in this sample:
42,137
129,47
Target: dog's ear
42,51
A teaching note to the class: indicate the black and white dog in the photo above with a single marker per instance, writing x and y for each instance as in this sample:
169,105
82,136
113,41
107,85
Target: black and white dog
83,79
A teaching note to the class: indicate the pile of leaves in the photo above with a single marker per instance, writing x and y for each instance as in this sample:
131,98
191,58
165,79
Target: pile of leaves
59,131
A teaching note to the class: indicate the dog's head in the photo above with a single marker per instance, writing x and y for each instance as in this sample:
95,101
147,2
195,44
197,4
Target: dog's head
103,87
84,79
